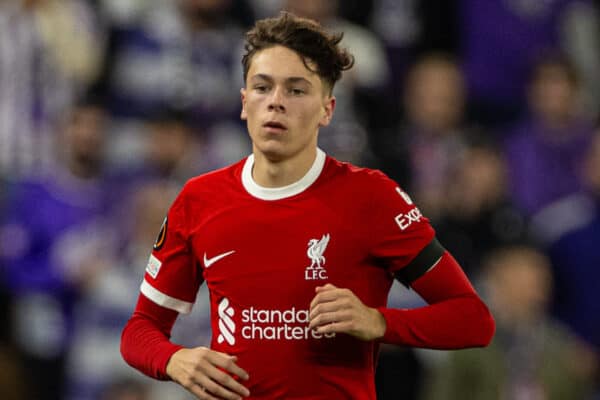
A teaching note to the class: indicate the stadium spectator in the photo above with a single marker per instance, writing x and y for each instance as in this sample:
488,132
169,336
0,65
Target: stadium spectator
108,290
576,257
409,30
177,54
422,152
44,216
50,50
478,213
181,55
170,149
532,356
550,141
298,262
499,41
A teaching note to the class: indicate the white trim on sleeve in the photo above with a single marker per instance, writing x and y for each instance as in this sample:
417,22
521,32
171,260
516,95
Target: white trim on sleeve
162,299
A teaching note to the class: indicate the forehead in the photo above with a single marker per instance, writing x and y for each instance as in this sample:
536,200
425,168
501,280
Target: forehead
279,62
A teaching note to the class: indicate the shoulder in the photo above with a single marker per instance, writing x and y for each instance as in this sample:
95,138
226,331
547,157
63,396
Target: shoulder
214,180
361,182
349,169
369,177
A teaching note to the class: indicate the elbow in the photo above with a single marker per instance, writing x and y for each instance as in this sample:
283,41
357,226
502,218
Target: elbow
123,348
485,326
128,343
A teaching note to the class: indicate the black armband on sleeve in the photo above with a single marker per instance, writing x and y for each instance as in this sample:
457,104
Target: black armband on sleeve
421,263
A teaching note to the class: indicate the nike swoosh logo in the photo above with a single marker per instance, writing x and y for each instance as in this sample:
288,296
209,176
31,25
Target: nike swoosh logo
210,261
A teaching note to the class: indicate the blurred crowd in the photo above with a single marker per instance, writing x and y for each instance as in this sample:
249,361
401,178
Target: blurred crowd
486,112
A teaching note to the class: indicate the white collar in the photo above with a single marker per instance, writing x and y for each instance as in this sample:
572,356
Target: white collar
278,193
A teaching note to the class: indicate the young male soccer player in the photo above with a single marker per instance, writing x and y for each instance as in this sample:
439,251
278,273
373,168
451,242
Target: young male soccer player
297,249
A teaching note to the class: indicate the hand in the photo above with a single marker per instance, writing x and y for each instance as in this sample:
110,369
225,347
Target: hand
207,374
340,311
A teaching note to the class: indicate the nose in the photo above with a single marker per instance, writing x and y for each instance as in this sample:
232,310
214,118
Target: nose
276,100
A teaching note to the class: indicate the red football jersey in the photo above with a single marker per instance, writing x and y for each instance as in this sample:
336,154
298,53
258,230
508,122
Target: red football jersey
262,251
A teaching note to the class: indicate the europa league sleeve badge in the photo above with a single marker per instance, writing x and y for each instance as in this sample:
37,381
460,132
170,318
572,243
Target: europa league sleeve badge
162,236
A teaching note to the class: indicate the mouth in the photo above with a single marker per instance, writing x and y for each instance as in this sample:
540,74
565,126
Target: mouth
274,126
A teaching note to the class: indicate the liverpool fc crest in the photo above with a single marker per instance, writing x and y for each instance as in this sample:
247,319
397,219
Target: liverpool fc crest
316,248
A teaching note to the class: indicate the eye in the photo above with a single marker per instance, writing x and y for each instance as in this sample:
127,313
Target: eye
297,92
260,88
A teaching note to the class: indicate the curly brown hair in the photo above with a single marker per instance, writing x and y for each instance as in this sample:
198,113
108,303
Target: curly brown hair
308,38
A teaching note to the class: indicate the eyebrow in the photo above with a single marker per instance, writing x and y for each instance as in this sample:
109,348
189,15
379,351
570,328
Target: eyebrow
291,79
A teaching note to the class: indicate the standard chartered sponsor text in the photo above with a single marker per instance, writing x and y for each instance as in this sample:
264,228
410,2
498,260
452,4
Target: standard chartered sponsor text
291,324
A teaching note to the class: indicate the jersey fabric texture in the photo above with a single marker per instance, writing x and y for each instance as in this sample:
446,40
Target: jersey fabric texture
262,251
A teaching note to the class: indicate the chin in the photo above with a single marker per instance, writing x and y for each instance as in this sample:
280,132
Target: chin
273,150
274,155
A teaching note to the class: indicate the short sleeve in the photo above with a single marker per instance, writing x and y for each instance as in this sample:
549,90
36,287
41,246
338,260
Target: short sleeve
401,231
172,277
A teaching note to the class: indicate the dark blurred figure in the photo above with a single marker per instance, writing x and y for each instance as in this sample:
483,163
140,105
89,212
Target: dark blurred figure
126,390
544,151
410,29
420,155
108,290
478,213
169,141
421,152
531,356
11,372
180,54
398,365
174,55
576,260
43,217
501,39
171,150
49,51
12,375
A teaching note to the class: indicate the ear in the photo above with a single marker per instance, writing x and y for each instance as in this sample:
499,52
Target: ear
328,108
243,115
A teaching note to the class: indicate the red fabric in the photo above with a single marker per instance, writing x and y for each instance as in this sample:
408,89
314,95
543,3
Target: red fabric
145,341
262,257
454,318
264,278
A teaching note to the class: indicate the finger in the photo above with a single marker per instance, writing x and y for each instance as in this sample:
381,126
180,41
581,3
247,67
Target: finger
223,384
221,392
329,318
326,296
228,363
327,286
336,327
201,393
331,306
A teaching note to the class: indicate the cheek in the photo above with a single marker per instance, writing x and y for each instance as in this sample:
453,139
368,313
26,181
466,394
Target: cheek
250,107
311,115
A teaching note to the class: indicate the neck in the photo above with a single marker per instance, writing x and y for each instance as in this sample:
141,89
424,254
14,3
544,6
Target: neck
278,173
